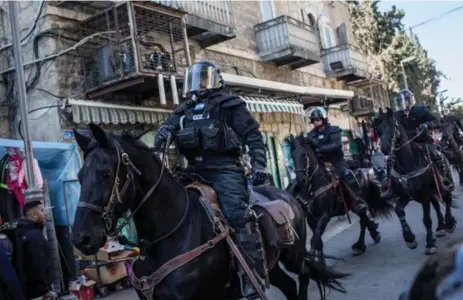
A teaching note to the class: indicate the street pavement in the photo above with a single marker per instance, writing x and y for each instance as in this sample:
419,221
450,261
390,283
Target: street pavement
384,270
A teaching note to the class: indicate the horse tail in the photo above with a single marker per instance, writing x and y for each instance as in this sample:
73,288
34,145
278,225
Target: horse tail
325,277
378,206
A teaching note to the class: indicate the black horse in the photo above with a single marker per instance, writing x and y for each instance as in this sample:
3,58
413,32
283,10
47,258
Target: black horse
412,177
451,147
183,244
324,196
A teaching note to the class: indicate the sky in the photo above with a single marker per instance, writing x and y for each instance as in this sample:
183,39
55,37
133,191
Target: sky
442,38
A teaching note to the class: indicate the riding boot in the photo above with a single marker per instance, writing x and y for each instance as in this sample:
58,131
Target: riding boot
251,241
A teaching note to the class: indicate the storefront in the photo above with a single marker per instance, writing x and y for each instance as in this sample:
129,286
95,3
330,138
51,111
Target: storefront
277,119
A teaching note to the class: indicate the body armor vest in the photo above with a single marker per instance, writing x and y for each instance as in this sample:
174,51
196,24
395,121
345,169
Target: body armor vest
204,132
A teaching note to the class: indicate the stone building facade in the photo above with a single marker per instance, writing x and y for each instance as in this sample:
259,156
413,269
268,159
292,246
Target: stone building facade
54,28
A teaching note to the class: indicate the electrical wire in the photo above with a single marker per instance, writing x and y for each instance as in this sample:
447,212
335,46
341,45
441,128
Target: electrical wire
65,51
50,93
31,30
49,107
437,17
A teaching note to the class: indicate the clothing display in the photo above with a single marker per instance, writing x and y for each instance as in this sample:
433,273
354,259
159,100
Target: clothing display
14,182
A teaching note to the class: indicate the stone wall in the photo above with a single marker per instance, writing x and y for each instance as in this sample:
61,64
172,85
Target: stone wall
61,76
241,51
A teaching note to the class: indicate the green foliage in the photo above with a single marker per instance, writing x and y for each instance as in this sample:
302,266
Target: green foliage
382,37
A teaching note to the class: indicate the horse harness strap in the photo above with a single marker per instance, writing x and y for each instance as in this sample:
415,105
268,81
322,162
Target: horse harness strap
410,175
146,284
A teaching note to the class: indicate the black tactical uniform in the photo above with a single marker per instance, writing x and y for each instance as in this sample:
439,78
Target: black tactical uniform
414,118
328,143
210,133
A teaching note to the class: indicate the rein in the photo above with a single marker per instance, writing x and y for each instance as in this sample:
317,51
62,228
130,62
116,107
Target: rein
117,195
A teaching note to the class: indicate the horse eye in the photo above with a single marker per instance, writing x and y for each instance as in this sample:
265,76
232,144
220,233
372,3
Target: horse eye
105,174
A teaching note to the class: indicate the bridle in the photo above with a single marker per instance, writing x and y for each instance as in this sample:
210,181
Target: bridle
117,195
307,177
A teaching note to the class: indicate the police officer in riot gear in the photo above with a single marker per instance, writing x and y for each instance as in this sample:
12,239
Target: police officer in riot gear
327,139
453,120
414,118
210,132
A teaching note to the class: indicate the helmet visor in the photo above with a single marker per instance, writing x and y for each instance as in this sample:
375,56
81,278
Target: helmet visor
200,78
401,102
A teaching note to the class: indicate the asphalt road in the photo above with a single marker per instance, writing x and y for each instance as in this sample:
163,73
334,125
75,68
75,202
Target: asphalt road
385,269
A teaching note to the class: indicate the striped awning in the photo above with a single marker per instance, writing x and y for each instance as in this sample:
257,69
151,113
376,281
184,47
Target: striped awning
87,112
266,105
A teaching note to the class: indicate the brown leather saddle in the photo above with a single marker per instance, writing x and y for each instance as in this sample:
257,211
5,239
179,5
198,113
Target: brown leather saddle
280,211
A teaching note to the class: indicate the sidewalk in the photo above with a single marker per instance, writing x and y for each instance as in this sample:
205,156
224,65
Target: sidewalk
335,227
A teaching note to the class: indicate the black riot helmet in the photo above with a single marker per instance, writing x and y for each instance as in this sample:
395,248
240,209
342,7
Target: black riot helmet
405,100
202,78
319,113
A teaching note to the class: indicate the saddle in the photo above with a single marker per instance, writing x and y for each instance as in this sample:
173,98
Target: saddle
280,211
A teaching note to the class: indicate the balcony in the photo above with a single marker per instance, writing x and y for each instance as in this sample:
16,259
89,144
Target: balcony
133,48
208,22
345,62
287,42
362,106
373,88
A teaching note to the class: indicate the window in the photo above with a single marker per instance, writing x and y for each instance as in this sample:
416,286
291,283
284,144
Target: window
267,9
328,39
327,34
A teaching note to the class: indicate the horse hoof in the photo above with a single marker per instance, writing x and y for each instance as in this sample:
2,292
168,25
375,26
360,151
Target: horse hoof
357,252
358,249
452,229
441,233
430,251
376,238
412,245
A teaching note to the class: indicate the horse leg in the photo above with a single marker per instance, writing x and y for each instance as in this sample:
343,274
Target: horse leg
304,281
450,222
359,247
440,230
407,233
316,243
284,282
427,221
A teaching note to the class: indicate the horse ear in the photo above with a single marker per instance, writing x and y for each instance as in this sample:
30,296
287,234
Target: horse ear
99,135
82,140
389,112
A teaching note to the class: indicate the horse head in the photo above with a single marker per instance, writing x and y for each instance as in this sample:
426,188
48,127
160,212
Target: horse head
302,155
109,179
387,128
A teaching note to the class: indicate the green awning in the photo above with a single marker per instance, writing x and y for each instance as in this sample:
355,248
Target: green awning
268,105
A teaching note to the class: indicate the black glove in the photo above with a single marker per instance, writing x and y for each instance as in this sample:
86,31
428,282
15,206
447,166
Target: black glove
260,177
162,136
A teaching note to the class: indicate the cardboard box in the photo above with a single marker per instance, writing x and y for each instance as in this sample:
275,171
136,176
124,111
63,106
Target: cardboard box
109,273
106,256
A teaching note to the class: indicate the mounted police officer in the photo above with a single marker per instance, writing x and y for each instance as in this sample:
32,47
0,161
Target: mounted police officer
456,125
413,118
210,132
328,146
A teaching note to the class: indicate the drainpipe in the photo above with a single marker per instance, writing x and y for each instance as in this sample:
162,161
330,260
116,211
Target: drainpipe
186,45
